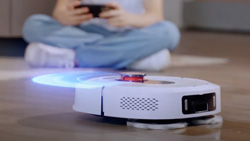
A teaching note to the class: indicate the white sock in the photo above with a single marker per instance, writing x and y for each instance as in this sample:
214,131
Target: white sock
155,62
41,55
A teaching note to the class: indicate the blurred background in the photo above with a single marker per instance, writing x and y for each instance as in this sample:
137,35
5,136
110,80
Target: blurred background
206,15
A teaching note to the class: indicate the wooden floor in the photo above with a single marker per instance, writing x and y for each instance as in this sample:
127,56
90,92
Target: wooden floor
33,112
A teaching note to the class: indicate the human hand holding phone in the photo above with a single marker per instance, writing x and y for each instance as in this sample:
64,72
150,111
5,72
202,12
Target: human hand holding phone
67,14
117,16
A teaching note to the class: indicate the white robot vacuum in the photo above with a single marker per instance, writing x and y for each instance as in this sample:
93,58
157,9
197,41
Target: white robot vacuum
138,97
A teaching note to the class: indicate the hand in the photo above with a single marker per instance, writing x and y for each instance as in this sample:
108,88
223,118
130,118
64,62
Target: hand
66,13
117,16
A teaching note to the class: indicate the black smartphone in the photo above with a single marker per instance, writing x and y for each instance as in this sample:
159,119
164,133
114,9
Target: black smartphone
95,9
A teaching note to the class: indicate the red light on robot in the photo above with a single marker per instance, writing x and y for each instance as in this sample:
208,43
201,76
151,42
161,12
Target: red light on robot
133,77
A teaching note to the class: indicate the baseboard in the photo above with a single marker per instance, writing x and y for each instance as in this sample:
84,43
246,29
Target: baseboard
12,47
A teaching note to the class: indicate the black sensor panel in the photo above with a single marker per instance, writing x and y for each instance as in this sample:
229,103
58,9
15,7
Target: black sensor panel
198,103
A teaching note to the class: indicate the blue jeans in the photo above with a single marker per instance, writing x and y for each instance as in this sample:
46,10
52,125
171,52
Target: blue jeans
97,47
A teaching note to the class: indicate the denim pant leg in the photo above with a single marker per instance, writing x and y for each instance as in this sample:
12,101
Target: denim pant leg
122,49
45,29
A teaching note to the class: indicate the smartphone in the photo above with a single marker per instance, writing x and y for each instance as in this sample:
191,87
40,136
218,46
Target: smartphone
95,9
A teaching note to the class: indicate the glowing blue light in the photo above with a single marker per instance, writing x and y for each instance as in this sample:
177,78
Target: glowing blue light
73,79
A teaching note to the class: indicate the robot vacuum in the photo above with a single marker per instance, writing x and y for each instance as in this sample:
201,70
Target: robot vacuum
136,96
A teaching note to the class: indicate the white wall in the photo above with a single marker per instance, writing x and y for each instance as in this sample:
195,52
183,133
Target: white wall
173,11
